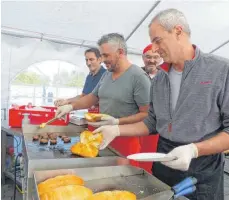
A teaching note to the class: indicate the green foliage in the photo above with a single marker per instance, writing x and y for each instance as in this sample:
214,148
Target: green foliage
76,80
31,78
72,79
61,78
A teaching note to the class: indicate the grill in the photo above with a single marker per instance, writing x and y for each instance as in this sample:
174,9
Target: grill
99,179
60,150
51,157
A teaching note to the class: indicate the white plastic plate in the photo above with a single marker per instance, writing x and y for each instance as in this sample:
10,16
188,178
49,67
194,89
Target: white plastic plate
150,157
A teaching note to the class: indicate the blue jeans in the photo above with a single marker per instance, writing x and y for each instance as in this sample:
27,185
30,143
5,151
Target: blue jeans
209,171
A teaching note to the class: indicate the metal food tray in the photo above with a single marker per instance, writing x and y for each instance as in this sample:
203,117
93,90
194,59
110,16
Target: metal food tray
61,149
99,179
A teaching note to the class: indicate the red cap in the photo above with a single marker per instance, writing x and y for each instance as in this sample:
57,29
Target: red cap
149,47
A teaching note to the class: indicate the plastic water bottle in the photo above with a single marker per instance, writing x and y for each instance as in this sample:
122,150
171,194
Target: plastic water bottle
25,119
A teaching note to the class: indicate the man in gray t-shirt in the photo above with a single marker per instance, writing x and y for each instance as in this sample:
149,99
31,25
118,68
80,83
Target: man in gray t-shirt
123,97
123,92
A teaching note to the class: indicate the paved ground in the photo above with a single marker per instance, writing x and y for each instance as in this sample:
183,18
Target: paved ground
8,191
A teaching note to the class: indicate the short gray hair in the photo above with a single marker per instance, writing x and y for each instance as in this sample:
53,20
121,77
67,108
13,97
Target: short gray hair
170,18
115,39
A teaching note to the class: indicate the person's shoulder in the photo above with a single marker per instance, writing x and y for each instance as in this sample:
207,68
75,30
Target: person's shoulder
135,67
143,68
88,76
215,61
137,71
159,78
103,69
139,76
106,75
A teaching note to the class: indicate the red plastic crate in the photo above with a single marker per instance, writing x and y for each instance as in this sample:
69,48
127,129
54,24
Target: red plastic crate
36,117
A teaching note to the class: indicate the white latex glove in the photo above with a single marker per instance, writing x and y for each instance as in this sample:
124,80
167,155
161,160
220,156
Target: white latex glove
63,110
60,102
109,133
106,120
184,155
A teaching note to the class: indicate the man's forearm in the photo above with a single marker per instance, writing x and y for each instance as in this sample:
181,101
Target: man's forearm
214,145
133,118
71,100
85,102
136,129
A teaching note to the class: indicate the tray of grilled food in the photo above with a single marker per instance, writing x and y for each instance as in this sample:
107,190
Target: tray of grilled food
64,145
53,143
96,183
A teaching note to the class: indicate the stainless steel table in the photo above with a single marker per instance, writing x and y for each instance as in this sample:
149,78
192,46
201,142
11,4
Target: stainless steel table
9,137
58,157
50,157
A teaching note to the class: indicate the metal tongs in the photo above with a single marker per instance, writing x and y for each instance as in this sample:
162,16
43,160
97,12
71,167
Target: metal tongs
185,187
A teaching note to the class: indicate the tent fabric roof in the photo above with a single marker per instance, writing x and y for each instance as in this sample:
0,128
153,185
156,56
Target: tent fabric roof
86,21
36,31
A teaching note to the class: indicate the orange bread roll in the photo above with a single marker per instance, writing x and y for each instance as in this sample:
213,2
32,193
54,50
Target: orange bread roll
94,117
58,181
69,192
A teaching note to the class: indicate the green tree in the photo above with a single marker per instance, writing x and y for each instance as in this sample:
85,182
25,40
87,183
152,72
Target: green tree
72,79
61,78
76,80
31,78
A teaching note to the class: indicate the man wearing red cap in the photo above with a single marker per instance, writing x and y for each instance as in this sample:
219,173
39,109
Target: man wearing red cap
151,60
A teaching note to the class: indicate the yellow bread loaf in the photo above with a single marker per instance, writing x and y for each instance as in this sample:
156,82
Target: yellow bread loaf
94,117
69,192
84,150
58,181
88,145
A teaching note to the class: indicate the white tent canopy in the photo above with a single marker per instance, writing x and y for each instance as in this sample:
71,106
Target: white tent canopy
36,31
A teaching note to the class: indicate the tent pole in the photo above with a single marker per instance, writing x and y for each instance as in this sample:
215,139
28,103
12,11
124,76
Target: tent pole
43,37
143,19
223,44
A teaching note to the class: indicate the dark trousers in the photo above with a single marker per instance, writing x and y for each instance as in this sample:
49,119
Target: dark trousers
209,171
